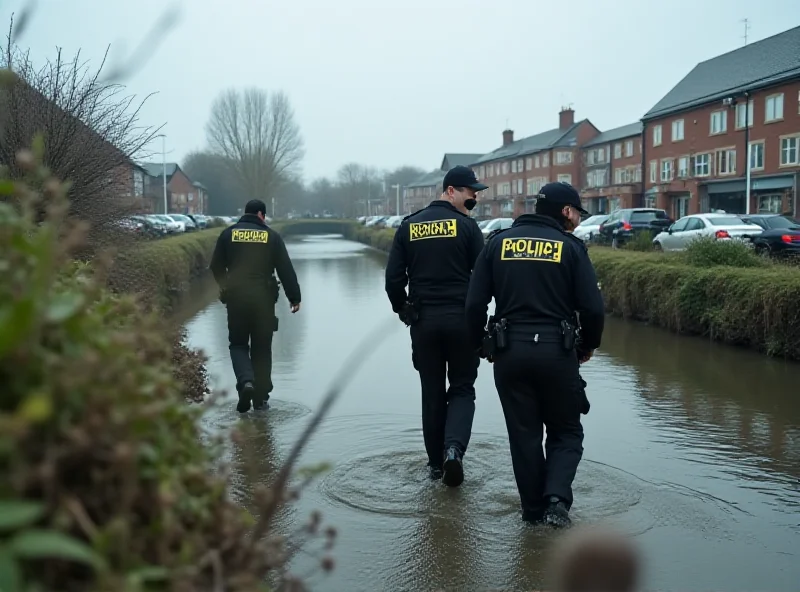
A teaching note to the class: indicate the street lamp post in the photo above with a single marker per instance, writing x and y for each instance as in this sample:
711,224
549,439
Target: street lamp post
164,167
397,187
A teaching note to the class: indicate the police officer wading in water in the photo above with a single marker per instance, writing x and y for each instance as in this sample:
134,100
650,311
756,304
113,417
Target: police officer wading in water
540,276
434,251
245,257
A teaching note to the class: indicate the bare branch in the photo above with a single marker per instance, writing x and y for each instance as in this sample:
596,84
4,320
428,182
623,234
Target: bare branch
257,135
91,132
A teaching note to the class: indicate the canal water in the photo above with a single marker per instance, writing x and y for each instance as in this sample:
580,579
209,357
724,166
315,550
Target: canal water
693,448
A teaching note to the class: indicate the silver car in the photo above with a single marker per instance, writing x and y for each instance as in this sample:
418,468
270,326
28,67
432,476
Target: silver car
719,226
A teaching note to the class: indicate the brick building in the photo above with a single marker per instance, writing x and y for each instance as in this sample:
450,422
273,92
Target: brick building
612,164
517,170
422,191
183,196
696,137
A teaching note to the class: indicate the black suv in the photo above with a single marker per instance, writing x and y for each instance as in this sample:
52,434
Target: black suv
623,224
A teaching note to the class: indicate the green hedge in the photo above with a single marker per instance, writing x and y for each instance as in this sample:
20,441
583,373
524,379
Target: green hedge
161,270
717,290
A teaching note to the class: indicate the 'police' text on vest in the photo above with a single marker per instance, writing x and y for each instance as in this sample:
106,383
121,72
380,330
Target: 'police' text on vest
249,236
531,249
434,229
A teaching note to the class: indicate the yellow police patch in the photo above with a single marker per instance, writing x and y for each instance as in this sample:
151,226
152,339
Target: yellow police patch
531,249
249,236
433,229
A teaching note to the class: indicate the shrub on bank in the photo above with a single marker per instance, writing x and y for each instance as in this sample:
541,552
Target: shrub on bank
701,292
717,289
106,484
160,270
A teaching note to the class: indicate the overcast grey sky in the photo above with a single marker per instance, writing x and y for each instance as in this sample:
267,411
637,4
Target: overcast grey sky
387,84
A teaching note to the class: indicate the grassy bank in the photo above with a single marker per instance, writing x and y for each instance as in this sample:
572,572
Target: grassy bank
717,290
161,270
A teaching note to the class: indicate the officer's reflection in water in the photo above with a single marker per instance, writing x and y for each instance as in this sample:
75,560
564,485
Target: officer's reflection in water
540,276
245,259
433,253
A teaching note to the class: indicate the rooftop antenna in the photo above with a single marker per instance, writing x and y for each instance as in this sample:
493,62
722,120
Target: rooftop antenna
506,122
746,29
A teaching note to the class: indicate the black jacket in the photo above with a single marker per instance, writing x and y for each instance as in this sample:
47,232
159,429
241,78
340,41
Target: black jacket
537,273
246,256
433,253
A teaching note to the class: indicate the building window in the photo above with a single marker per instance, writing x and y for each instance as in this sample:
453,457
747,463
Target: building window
683,167
529,163
546,160
638,174
520,186
629,148
563,157
702,165
601,155
677,130
653,171
756,155
666,171
770,204
774,108
138,183
726,162
790,149
617,150
657,135
565,179
505,168
740,115
513,166
536,162
719,122
650,201
520,164
596,178
590,157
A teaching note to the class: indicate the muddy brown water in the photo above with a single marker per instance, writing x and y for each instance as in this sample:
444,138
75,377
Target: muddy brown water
691,447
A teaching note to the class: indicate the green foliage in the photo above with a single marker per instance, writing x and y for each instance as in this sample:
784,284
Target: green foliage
702,293
105,484
161,270
641,241
709,252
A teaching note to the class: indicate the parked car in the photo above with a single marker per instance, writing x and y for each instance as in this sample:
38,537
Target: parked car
590,227
188,223
622,225
780,234
724,227
495,224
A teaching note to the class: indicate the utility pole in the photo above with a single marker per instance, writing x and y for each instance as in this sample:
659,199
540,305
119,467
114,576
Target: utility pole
746,29
164,169
397,187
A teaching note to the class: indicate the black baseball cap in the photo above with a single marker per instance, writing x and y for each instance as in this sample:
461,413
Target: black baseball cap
563,194
461,176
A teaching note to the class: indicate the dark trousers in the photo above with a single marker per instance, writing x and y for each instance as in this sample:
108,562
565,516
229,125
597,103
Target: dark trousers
251,324
441,354
539,385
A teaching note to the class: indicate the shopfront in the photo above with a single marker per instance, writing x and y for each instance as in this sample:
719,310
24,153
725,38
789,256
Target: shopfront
769,194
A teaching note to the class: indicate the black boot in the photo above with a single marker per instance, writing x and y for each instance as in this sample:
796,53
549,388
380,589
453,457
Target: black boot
245,395
453,468
556,513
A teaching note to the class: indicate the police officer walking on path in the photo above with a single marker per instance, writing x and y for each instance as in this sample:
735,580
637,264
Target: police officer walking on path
540,276
433,253
244,260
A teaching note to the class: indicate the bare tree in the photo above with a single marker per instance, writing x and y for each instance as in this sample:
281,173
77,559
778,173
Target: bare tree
225,193
91,132
257,133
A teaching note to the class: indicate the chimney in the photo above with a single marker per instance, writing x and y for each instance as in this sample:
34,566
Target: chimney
566,118
508,137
